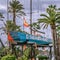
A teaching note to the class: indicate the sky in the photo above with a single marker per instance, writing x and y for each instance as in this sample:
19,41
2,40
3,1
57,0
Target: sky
38,7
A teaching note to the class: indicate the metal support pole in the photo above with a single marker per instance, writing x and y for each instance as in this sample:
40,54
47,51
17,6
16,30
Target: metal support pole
7,10
30,16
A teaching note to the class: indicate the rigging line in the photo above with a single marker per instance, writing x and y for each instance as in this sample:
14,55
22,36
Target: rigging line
32,12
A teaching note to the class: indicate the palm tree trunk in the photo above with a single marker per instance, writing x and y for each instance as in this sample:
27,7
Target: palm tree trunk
58,42
59,46
14,16
54,41
2,43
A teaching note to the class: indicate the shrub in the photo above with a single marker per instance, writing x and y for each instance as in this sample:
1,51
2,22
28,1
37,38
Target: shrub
8,57
42,57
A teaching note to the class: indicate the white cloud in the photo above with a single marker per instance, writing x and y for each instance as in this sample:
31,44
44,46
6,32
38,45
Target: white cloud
2,7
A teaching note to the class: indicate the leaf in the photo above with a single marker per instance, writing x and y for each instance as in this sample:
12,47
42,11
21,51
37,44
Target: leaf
1,16
45,16
57,18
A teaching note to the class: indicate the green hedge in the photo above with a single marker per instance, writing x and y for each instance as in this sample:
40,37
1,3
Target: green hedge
42,57
8,57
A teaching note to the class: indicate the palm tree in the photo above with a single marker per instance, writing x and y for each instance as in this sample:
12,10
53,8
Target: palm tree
16,8
51,18
10,26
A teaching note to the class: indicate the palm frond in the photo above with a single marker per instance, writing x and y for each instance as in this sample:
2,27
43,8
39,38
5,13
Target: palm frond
21,13
16,8
57,21
57,14
35,25
45,26
58,18
45,16
16,5
43,20
1,16
10,26
52,6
